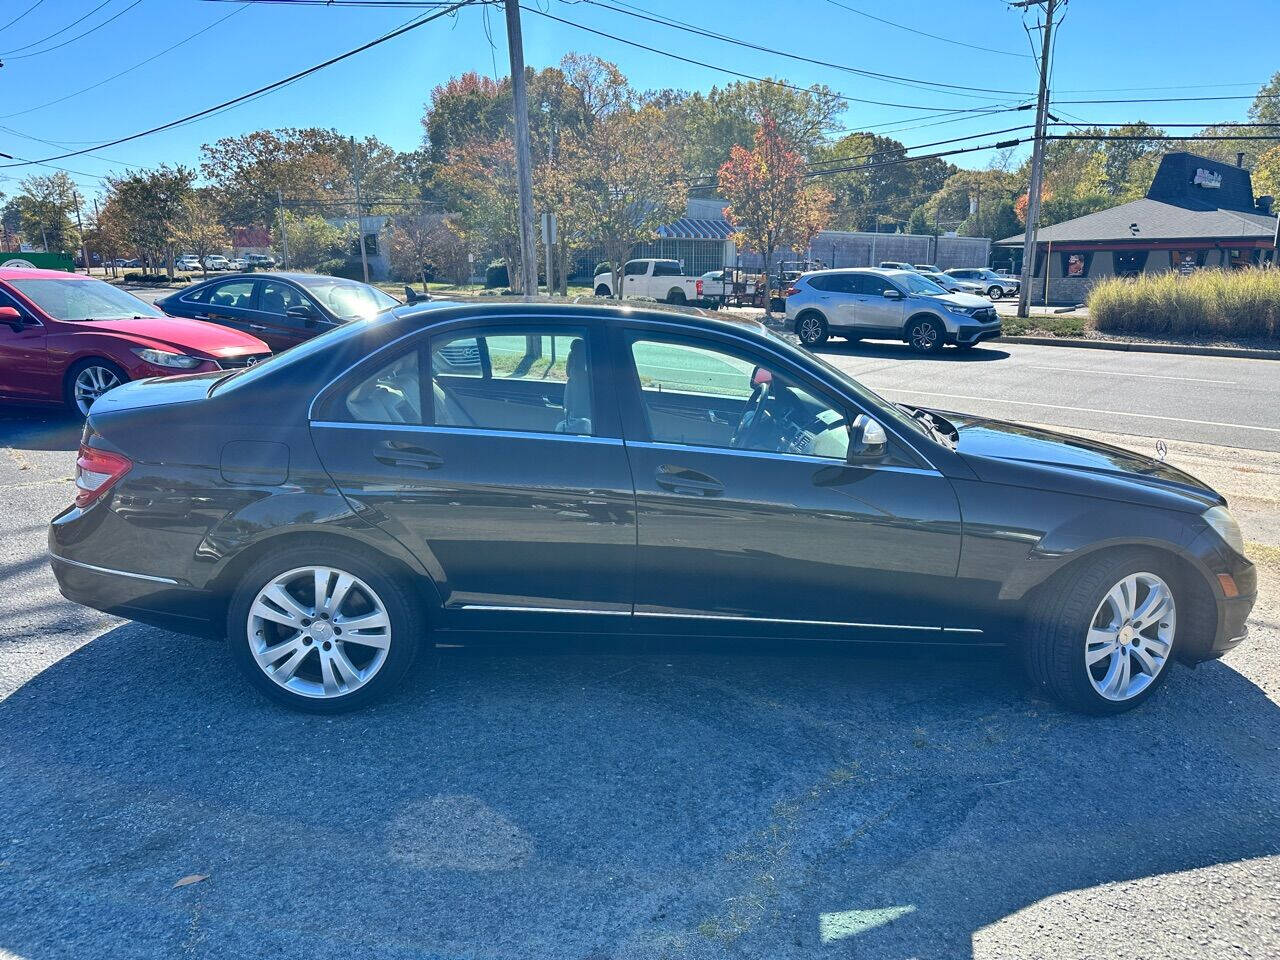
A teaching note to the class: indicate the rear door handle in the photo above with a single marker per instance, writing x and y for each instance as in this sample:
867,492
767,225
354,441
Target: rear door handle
688,482
400,454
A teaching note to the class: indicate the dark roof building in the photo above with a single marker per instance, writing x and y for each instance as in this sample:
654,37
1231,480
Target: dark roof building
1197,213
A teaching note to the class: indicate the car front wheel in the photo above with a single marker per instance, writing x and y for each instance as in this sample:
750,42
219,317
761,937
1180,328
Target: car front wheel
994,292
925,335
1101,640
322,631
90,379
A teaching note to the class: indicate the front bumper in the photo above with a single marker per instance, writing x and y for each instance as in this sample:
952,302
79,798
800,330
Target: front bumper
975,333
1229,627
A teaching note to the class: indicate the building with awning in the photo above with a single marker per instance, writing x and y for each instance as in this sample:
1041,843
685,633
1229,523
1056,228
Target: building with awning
1197,213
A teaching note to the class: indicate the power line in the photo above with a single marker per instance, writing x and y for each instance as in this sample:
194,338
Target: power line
141,63
1241,96
21,15
78,36
36,43
738,73
411,25
887,77
924,33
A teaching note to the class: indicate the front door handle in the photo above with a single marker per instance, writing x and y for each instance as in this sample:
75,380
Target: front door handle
688,482
401,454
256,326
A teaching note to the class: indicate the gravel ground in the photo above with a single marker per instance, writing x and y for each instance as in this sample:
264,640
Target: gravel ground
649,804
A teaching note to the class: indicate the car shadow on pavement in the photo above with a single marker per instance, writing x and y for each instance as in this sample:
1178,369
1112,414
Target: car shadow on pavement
599,805
900,351
39,428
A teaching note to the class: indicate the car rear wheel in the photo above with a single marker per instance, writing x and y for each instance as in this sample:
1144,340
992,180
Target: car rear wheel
677,298
88,380
995,292
1101,639
322,631
811,328
924,335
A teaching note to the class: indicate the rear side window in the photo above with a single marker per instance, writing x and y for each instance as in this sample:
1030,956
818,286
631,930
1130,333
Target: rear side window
233,293
391,394
666,268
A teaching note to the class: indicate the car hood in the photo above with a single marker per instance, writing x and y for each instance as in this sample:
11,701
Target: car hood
179,334
968,300
987,444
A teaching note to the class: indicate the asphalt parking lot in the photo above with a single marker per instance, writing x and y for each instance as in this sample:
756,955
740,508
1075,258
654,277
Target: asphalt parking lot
615,804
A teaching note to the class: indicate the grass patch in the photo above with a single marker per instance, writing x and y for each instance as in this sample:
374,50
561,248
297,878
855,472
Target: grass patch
1227,304
1050,325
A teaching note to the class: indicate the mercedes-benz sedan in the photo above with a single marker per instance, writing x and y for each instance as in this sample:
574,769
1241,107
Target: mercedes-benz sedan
453,471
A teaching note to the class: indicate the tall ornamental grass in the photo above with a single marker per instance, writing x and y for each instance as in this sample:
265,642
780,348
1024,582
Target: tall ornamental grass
1230,304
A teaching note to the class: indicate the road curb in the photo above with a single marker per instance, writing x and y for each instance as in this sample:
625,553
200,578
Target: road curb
1187,349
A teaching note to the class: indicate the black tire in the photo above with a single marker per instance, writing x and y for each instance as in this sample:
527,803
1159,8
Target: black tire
69,384
811,327
603,291
677,298
408,626
925,335
994,292
1058,621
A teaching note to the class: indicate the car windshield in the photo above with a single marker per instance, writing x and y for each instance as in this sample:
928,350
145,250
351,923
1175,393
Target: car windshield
914,283
83,299
347,298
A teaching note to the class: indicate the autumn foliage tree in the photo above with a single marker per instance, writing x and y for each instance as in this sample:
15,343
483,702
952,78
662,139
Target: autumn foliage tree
770,207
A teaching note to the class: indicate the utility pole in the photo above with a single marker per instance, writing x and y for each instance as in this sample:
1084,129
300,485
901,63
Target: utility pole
524,164
1037,156
355,173
84,248
284,237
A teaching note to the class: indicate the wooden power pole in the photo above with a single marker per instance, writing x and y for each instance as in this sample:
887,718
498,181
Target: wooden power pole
1037,156
524,164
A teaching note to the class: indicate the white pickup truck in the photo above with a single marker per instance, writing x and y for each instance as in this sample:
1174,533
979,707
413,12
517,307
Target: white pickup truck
654,279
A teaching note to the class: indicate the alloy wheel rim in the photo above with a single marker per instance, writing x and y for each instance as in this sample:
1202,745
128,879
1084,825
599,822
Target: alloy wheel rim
924,336
91,383
810,329
319,632
1130,636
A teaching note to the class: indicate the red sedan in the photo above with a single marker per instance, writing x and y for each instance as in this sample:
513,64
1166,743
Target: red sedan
68,338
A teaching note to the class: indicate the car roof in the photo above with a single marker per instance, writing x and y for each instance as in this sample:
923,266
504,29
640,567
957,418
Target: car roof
22,273
878,271
431,311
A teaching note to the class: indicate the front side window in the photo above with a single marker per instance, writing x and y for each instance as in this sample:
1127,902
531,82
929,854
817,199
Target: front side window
634,269
914,283
526,380
704,395
277,297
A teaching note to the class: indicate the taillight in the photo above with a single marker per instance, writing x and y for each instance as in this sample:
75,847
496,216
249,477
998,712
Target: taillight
790,291
699,288
97,472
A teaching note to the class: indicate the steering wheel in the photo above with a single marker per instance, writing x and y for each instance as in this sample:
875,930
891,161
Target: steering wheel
752,415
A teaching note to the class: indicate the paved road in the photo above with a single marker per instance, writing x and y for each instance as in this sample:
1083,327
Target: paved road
1215,400
632,806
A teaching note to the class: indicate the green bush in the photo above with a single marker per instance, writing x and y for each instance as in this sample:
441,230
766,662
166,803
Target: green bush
604,266
495,275
137,276
1230,304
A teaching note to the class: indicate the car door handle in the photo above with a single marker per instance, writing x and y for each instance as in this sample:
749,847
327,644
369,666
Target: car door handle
256,326
400,454
686,481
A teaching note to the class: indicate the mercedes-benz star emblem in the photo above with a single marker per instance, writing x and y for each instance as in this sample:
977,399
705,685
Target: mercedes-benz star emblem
1162,450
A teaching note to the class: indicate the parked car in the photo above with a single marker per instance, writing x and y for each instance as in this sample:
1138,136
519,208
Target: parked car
237,264
68,338
866,304
260,261
925,268
442,473
995,285
283,309
953,285
187,263
216,262
652,278
895,265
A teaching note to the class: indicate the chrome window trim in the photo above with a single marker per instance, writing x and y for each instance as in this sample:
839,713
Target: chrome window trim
496,608
800,457
116,573
465,431
28,315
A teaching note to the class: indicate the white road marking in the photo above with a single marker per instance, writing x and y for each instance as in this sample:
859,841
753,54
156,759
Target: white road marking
1059,406
1118,373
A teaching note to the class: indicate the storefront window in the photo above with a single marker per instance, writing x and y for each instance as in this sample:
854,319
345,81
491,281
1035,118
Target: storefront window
1186,261
1130,264
1076,264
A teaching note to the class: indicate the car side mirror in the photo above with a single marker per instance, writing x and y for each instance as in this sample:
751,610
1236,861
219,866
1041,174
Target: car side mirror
302,312
868,442
892,294
12,318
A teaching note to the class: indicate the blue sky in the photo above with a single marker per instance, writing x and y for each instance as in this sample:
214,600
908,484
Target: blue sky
1181,46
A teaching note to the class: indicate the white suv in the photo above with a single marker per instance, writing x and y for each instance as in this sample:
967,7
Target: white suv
887,305
995,285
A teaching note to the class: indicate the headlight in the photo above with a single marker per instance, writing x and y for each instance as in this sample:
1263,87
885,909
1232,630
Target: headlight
163,358
964,311
1225,526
